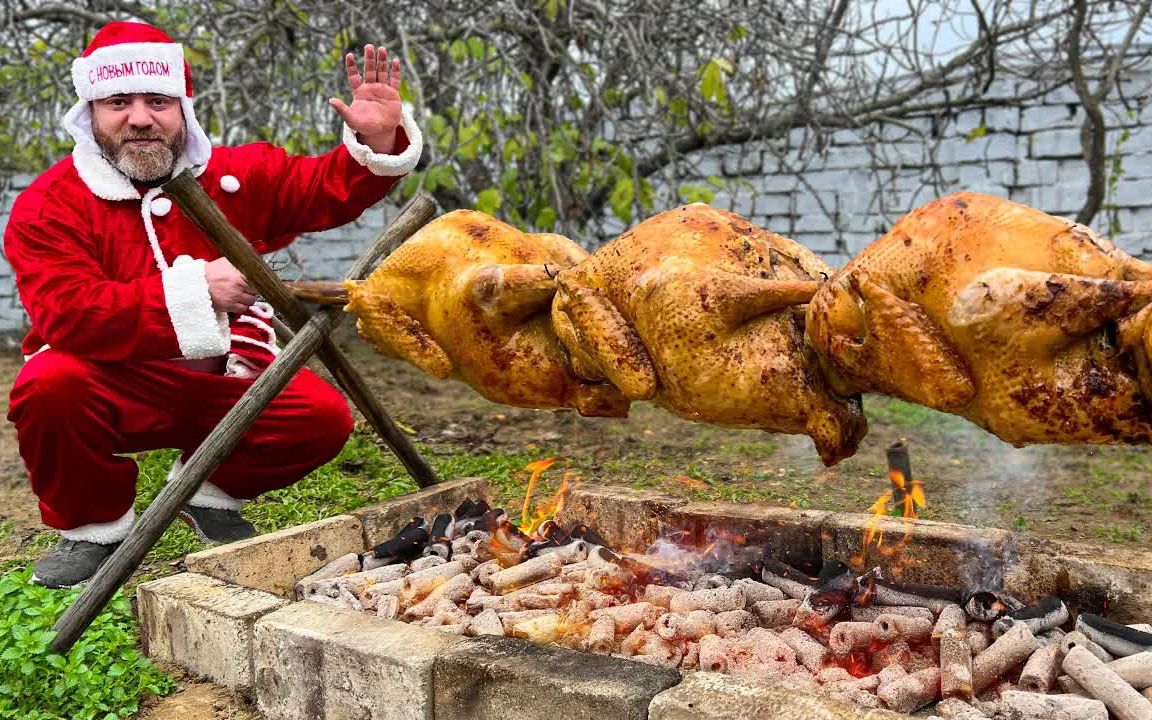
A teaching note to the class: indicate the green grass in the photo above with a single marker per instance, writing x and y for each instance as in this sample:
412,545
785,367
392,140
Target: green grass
102,677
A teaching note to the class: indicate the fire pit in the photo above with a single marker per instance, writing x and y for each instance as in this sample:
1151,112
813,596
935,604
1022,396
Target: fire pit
635,604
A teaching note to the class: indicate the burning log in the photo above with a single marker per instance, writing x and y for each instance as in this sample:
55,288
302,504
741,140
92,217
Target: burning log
776,613
1042,669
1105,685
661,594
927,596
1009,651
455,589
1119,640
713,654
601,635
913,692
810,653
847,637
955,664
420,584
1048,613
1035,706
988,605
629,617
404,546
482,573
897,653
487,622
715,600
543,567
768,648
542,629
343,565
734,622
428,561
388,607
787,580
887,628
952,617
1076,639
979,637
869,614
440,536
758,592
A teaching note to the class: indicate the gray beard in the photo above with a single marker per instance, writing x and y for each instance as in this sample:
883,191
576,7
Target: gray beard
141,164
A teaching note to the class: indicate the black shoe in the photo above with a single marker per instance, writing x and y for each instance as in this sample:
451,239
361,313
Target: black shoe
215,525
71,563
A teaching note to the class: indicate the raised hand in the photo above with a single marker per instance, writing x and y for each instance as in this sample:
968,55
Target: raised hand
375,111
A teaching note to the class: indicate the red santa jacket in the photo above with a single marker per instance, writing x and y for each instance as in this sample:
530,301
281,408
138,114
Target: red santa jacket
110,273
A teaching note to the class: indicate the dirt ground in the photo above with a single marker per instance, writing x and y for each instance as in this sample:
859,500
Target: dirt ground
1098,494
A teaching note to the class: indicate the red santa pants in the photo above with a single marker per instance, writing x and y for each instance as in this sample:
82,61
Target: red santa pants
73,416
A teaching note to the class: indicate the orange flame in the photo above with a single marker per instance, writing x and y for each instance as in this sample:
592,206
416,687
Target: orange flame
913,498
537,469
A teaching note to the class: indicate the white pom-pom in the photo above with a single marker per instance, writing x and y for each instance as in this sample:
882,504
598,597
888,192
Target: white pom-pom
161,206
229,183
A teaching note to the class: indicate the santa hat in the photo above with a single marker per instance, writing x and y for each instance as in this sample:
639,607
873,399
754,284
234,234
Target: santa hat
124,58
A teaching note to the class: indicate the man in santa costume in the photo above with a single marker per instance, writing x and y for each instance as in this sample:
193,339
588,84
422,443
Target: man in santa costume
142,336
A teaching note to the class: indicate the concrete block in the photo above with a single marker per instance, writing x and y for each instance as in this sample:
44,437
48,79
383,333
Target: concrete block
628,519
742,161
274,562
494,678
382,521
775,204
815,223
847,157
775,529
1056,144
718,696
203,625
1035,172
316,661
1047,117
1134,193
920,551
1088,577
817,242
777,183
994,146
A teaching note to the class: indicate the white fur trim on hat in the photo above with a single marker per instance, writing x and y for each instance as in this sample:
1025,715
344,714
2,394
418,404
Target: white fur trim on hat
388,165
102,533
201,331
125,68
208,495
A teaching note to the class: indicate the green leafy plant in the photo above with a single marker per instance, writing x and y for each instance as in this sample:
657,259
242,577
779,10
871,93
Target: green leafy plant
103,677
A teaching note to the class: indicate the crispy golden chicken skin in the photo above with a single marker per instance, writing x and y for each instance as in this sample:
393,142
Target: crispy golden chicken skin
1031,326
698,311
469,297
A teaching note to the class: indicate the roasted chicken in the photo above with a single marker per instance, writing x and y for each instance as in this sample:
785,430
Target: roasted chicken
698,311
1031,326
469,297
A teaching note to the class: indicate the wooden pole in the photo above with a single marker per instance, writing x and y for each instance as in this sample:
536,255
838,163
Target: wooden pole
187,193
219,443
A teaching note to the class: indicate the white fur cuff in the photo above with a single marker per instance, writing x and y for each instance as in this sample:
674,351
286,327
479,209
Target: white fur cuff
102,533
201,332
208,496
388,165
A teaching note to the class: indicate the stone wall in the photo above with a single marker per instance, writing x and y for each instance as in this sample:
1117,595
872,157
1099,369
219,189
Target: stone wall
850,190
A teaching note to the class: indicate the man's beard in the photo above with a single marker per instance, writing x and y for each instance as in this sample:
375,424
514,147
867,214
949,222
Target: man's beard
143,164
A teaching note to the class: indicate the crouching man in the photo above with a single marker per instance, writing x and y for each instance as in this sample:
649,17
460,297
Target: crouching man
142,336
